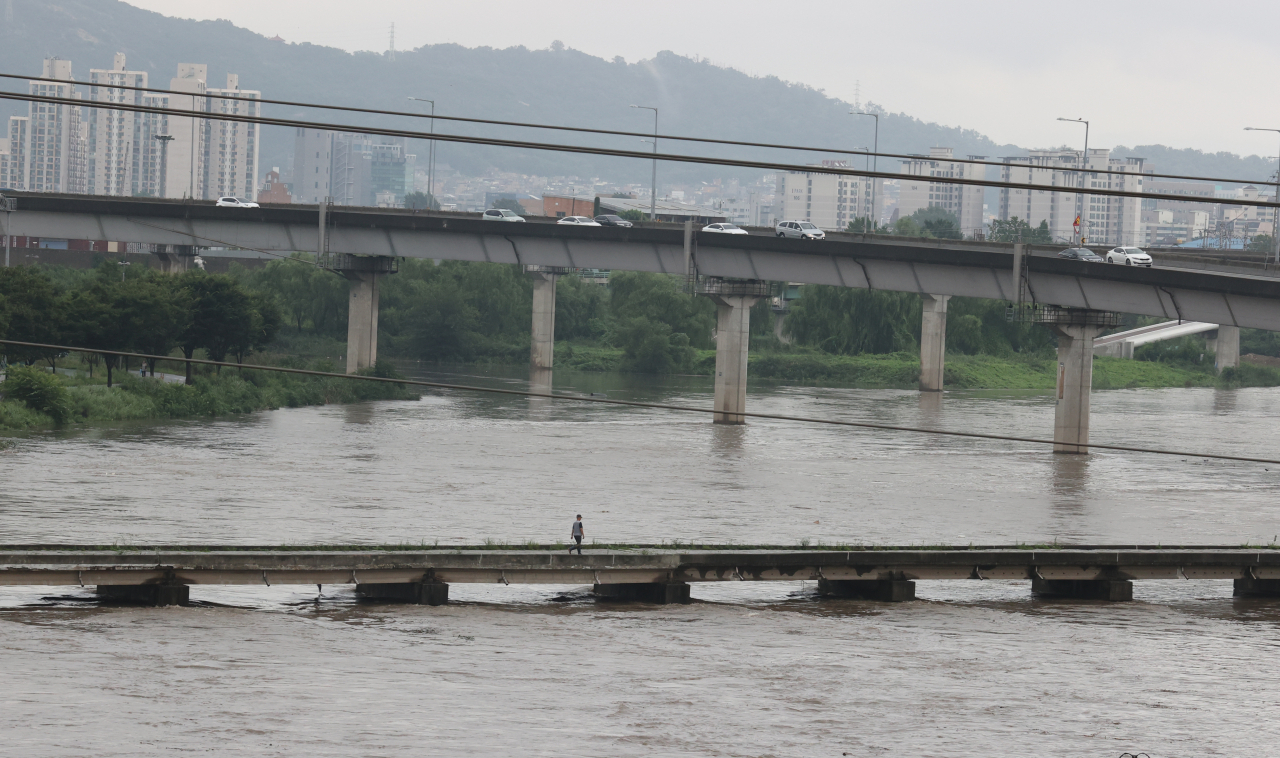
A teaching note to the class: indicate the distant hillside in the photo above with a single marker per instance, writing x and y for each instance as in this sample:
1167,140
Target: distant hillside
557,86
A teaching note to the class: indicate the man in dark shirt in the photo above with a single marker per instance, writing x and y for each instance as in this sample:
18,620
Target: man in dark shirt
577,534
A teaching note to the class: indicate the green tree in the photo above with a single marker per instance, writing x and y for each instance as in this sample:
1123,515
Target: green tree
421,201
634,215
222,317
1016,230
1263,243
650,347
157,311
658,298
581,309
40,390
843,320
32,310
96,318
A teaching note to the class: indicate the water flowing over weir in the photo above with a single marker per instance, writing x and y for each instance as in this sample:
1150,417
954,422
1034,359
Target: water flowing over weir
970,668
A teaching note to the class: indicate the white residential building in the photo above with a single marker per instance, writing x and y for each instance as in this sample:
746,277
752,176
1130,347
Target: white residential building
124,155
830,201
962,201
46,148
353,169
231,147
1105,220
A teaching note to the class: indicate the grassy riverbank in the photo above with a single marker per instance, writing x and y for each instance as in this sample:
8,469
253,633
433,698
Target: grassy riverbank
86,401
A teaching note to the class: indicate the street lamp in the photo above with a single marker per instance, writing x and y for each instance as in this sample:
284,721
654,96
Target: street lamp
431,154
122,264
164,139
1082,211
653,187
875,148
1275,224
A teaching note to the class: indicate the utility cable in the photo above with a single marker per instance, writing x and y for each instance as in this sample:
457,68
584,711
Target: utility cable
671,157
635,404
619,133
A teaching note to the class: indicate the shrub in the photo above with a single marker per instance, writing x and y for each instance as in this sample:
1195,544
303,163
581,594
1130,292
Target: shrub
41,391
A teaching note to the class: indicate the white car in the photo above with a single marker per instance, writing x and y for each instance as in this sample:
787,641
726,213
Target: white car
724,228
501,214
1129,256
578,221
235,202
800,230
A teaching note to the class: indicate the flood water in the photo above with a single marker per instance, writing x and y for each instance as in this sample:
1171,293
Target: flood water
973,669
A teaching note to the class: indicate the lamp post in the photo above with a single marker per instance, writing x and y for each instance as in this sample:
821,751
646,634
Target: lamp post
1275,224
431,154
164,139
653,187
875,148
1083,211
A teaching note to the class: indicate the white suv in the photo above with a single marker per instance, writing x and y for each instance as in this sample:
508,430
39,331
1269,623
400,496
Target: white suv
800,230
501,214
1129,256
235,202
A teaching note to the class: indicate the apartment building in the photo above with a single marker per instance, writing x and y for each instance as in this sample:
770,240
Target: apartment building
829,201
231,147
353,169
124,155
1105,220
963,201
13,154
46,149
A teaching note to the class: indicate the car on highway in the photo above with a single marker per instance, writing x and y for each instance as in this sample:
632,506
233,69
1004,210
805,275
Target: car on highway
724,228
501,214
611,220
1080,254
799,229
1129,256
578,221
235,202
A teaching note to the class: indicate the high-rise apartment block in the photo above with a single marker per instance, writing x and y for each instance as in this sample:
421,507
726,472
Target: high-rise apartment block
829,201
352,169
1104,220
60,147
961,200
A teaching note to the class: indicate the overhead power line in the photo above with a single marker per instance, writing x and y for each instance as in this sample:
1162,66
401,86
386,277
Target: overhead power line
620,133
634,404
580,149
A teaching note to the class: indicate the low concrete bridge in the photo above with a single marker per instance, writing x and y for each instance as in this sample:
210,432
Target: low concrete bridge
1074,298
1223,341
165,575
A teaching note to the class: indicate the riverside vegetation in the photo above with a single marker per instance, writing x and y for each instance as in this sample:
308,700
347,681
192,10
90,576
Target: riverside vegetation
289,312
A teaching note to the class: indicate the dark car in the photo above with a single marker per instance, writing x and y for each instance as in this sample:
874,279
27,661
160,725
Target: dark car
1080,254
611,220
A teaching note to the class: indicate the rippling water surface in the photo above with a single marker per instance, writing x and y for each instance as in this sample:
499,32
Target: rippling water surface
973,669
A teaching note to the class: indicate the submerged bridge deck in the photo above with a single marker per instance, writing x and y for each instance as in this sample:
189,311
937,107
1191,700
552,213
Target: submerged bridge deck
657,574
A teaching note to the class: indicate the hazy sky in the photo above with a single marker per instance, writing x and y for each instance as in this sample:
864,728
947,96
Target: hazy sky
1175,72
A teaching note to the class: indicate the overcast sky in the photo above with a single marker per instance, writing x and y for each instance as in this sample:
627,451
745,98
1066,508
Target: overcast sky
1174,72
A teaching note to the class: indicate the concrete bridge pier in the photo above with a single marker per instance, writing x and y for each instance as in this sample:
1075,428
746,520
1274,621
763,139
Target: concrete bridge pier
1251,587
543,343
414,593
659,593
147,595
1084,589
933,342
1076,329
733,300
175,259
364,272
885,590
1226,347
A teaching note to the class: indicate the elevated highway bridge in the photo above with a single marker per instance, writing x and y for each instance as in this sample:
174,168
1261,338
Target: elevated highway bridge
1077,299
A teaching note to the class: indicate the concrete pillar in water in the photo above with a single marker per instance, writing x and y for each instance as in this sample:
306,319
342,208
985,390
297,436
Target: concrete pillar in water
933,342
1075,380
1256,587
660,593
415,593
733,337
364,272
886,590
1084,589
543,343
150,595
1226,347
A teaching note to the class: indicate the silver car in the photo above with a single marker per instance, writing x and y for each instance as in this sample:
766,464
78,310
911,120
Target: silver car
804,230
501,214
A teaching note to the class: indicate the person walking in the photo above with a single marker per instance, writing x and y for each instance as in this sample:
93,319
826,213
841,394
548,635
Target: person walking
577,534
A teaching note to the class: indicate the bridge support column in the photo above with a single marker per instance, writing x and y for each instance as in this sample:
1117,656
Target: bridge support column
415,593
660,593
1084,589
1226,347
733,337
1075,380
175,259
364,272
148,595
933,342
886,590
1257,588
542,346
